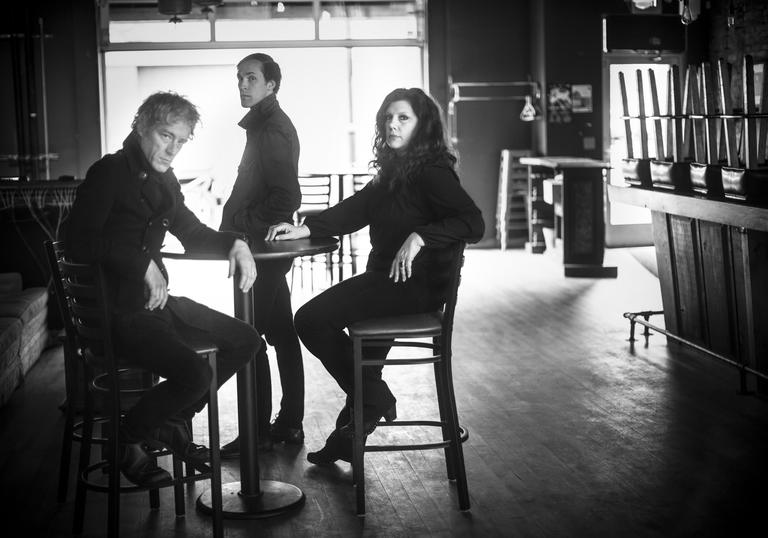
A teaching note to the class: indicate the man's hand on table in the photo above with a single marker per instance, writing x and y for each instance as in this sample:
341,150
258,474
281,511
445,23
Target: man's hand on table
241,259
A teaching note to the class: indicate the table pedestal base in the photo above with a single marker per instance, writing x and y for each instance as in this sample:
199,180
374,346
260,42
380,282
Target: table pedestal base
593,271
276,498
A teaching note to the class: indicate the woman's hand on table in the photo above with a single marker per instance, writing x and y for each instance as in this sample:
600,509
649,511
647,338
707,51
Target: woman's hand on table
241,259
403,262
285,231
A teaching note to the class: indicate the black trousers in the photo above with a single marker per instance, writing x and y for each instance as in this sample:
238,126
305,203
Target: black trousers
155,341
273,317
321,323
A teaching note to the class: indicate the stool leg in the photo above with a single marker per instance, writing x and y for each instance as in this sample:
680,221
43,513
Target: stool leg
154,499
85,457
178,487
453,425
443,405
113,456
358,455
69,421
213,439
189,469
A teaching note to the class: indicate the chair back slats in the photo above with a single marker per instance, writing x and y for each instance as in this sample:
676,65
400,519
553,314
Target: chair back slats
54,251
82,285
315,194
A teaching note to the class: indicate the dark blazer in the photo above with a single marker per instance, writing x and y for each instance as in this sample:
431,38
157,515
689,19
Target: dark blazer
119,219
266,190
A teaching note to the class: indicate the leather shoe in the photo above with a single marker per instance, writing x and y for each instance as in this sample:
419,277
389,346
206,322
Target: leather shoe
231,450
337,447
176,436
286,434
138,467
369,424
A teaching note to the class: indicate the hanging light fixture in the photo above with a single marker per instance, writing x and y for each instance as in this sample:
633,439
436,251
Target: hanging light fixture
644,4
529,111
689,11
731,20
174,8
206,6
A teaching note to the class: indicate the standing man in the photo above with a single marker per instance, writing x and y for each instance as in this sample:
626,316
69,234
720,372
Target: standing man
123,209
266,192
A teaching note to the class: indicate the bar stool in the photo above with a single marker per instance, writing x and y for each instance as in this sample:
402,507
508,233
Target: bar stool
84,291
76,376
410,331
315,198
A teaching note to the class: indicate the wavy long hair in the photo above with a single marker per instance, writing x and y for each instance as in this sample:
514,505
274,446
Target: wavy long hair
428,145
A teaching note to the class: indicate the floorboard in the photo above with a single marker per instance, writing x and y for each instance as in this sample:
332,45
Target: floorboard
574,431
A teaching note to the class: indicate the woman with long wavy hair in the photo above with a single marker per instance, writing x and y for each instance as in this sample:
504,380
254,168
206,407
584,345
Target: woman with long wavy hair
416,210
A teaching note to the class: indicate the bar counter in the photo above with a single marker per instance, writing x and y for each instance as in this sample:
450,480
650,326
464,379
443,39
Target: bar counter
712,257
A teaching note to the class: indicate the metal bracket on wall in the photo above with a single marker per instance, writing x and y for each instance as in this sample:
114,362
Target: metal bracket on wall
493,91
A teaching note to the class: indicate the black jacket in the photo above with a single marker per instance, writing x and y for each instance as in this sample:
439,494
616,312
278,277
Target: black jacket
266,190
434,205
119,219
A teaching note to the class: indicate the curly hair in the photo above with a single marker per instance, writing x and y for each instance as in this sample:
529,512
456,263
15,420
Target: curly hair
165,108
428,144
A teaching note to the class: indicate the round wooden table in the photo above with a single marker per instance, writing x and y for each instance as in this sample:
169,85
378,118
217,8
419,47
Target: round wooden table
251,497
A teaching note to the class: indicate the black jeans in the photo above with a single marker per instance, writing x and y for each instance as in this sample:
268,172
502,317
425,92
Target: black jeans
155,341
273,317
321,323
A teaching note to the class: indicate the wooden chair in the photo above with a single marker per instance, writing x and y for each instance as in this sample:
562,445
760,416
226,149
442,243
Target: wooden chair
76,374
83,288
410,331
315,198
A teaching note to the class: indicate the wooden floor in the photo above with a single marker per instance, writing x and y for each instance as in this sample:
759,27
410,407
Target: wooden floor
573,432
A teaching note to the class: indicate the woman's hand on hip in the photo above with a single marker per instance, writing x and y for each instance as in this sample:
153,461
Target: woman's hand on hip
400,271
284,231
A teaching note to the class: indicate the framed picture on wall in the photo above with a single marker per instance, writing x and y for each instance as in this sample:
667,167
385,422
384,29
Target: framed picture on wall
559,104
581,97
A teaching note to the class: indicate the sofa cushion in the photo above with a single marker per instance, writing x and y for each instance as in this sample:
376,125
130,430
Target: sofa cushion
10,340
25,304
34,339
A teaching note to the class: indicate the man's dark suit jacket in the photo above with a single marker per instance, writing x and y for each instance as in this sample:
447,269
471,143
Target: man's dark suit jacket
119,219
266,190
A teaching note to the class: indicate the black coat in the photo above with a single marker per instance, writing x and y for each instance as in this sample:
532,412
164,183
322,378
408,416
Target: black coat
119,219
266,190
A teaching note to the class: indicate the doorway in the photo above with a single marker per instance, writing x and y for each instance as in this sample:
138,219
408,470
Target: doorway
626,225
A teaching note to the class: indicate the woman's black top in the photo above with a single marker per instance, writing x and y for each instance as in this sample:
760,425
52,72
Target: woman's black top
434,205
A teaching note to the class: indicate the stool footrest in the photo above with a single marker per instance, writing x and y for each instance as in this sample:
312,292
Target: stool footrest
126,488
463,436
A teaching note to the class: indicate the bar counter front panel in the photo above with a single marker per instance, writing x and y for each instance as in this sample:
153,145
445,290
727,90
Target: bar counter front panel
712,260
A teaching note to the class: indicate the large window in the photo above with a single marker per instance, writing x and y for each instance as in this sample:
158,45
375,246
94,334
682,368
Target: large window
333,79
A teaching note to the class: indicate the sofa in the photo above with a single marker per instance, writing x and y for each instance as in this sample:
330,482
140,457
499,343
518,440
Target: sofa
23,330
